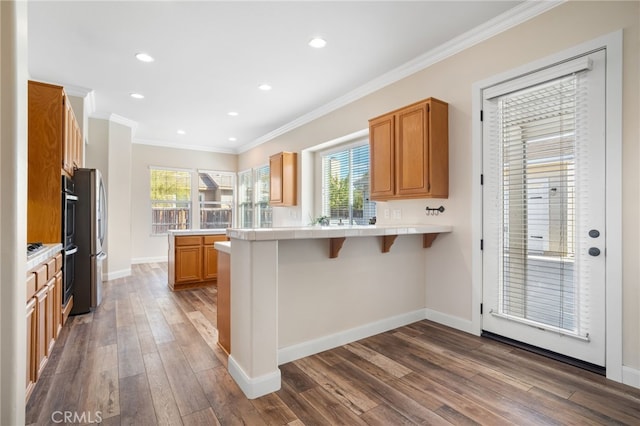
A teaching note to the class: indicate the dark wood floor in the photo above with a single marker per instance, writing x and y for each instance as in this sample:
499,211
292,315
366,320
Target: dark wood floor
149,356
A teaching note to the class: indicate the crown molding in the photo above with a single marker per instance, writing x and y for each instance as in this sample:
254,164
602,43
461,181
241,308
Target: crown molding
509,19
166,144
77,91
115,118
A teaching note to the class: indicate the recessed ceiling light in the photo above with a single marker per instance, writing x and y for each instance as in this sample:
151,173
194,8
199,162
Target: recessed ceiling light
136,95
264,87
181,132
232,113
317,42
144,57
232,139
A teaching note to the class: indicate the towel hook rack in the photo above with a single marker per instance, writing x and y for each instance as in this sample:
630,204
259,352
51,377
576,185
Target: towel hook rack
434,211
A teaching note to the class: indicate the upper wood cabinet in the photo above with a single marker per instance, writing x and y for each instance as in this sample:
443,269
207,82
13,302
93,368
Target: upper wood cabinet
55,147
283,174
409,152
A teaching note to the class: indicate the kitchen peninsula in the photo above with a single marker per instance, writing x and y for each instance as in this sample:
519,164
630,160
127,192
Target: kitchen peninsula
302,290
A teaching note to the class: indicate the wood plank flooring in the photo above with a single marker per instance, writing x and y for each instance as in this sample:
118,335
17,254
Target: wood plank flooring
149,356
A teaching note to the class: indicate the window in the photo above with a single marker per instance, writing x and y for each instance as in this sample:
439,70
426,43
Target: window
215,194
345,186
170,200
254,210
245,199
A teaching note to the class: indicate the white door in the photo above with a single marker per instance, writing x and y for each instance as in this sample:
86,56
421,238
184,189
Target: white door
544,209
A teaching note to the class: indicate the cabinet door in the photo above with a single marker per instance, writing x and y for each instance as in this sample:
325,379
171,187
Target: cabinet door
283,175
211,256
57,305
188,263
67,143
50,323
275,179
224,302
381,148
31,346
41,329
412,154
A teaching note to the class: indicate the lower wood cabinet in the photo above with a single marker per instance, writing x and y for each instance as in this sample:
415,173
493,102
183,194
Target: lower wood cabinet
193,262
224,301
31,344
43,317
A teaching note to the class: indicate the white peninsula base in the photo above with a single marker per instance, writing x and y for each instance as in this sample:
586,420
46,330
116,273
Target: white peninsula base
300,291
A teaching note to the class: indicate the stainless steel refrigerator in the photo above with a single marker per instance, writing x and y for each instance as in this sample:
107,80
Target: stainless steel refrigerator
91,228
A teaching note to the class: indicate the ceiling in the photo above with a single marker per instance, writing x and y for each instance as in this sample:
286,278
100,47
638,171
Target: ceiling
211,56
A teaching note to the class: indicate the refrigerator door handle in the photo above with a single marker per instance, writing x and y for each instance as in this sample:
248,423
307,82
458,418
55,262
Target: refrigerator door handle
102,255
73,250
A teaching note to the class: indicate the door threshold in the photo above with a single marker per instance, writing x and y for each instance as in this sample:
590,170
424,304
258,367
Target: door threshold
547,353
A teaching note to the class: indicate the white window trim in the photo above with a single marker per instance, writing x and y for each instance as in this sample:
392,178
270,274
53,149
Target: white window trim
613,44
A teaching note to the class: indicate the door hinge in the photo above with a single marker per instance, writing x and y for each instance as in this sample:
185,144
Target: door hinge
481,244
481,115
481,179
481,309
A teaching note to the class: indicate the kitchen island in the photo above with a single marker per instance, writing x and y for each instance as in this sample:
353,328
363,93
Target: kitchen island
192,259
302,290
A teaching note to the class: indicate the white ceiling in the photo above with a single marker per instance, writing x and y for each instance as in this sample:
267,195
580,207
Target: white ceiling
210,57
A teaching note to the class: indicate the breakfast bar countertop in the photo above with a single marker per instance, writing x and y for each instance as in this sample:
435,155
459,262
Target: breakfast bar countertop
312,232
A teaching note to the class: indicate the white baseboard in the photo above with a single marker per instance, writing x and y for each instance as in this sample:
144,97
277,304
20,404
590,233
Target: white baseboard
301,350
631,376
157,259
256,387
108,276
450,321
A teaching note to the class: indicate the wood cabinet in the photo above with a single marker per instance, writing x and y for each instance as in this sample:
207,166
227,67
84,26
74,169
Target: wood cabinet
283,175
43,316
409,152
224,301
193,262
31,369
54,148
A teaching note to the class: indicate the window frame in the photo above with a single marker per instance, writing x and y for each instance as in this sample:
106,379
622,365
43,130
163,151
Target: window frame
339,148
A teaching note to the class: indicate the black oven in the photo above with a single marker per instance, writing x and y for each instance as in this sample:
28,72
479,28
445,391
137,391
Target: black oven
69,201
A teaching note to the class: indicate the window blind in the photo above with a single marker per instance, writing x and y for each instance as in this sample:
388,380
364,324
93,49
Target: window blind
345,186
264,217
245,199
536,212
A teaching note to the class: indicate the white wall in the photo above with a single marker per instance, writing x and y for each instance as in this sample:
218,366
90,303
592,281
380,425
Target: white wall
147,247
109,150
448,263
13,214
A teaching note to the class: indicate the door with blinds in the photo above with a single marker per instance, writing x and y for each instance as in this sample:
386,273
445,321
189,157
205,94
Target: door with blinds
544,208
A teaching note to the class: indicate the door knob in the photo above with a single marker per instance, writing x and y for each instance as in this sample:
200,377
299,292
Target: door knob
594,233
594,251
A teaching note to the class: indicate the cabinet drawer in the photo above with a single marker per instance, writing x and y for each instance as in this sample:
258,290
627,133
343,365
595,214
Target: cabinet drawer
210,239
51,268
41,276
31,285
189,241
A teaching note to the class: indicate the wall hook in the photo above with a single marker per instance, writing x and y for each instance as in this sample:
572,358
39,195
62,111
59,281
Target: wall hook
434,211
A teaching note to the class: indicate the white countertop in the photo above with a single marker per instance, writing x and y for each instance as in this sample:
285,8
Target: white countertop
223,246
309,232
48,251
175,232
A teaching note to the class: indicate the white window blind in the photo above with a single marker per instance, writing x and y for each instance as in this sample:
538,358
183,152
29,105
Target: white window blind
264,216
536,172
245,199
345,186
